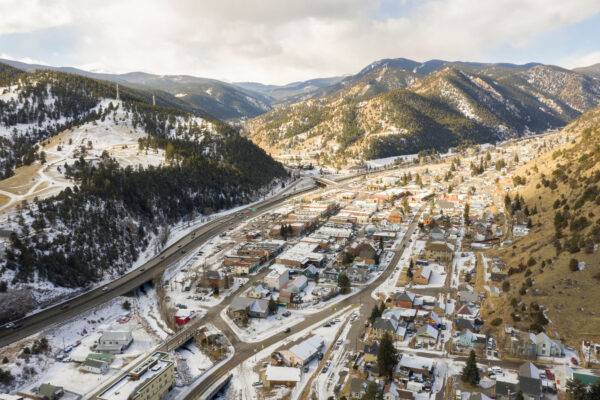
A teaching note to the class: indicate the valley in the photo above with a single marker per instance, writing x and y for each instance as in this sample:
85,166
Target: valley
389,233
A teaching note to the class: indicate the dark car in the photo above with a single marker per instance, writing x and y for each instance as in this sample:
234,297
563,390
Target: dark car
287,330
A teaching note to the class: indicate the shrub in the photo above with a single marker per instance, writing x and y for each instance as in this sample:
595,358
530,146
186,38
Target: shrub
496,321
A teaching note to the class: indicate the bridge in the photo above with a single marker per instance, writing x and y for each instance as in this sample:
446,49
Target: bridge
325,182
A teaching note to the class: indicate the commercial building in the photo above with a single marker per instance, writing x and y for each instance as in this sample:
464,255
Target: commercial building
151,379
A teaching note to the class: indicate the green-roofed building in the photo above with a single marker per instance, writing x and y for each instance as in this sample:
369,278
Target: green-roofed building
588,377
100,357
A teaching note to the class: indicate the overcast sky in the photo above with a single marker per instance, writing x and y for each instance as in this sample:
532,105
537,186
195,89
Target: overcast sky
280,41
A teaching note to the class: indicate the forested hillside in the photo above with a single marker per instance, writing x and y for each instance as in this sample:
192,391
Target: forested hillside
110,214
367,116
555,269
37,105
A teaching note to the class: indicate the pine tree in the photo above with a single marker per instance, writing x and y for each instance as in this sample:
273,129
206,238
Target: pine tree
470,373
375,313
344,283
576,389
386,356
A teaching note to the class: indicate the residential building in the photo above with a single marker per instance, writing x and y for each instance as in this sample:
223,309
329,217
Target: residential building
422,276
433,320
471,340
396,329
282,376
258,292
357,274
244,307
530,383
439,252
405,299
304,352
427,335
95,366
547,347
415,364
50,392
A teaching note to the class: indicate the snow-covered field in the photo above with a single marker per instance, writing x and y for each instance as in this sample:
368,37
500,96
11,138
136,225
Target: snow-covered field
78,336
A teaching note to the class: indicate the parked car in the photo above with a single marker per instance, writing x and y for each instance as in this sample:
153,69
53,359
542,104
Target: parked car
574,361
324,370
305,369
287,330
257,383
549,374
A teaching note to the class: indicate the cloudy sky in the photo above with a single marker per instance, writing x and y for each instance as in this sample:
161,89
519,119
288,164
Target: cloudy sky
279,41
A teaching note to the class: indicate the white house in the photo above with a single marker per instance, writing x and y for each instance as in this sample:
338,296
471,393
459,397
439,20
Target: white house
95,366
547,347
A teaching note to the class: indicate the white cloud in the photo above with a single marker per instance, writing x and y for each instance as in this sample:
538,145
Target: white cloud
22,16
281,41
584,60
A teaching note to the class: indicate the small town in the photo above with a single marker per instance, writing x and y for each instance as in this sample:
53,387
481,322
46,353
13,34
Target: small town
300,200
381,281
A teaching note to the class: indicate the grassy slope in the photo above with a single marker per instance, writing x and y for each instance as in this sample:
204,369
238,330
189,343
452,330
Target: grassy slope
563,292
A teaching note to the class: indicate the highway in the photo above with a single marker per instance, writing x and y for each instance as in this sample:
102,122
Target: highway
154,268
74,306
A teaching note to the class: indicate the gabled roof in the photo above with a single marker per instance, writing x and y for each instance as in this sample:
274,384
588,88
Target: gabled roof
405,296
425,272
385,325
529,370
412,361
463,323
505,387
436,318
308,348
428,330
240,303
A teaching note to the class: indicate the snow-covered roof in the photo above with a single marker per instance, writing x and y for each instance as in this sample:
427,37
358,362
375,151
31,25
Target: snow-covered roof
412,361
308,348
282,374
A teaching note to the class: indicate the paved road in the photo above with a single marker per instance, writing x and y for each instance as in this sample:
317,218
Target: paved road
245,350
130,281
